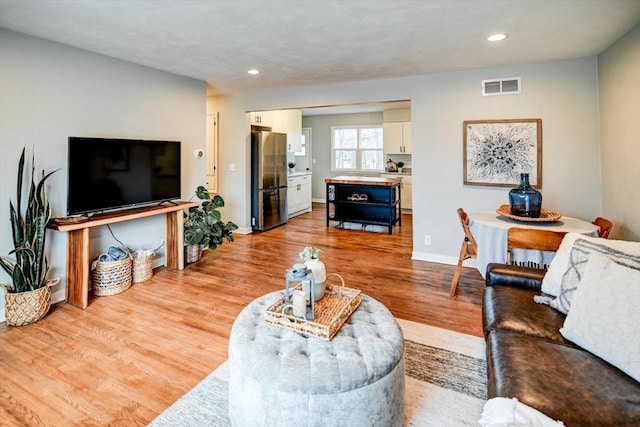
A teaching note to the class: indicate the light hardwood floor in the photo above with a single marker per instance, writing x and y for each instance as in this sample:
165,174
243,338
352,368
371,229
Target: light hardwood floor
127,357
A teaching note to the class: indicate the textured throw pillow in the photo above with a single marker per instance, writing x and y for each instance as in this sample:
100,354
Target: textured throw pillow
578,259
565,269
552,279
605,313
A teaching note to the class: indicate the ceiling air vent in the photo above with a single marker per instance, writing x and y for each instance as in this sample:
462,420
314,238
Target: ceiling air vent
507,86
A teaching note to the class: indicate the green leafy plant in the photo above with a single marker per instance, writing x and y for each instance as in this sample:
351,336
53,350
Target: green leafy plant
29,269
400,164
292,165
203,224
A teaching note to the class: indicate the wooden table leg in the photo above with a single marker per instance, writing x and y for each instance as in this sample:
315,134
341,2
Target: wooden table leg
174,240
78,267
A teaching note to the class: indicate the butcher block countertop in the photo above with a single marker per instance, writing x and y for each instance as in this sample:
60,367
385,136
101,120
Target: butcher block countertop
364,180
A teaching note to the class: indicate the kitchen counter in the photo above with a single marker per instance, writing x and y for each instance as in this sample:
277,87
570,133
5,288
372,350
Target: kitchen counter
364,180
396,173
299,173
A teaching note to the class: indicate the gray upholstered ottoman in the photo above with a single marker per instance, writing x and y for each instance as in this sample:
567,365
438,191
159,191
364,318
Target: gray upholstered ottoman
279,378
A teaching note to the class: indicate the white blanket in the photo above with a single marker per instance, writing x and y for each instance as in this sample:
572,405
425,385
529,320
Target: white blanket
503,412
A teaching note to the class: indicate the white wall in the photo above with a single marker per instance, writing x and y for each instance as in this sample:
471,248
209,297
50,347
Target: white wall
51,91
321,143
562,93
619,84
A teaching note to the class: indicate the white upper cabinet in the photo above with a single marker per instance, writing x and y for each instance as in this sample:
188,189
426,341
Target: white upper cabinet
406,137
397,137
289,122
261,118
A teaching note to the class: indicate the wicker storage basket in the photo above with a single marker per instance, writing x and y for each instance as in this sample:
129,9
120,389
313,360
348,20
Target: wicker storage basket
111,277
192,253
27,307
142,267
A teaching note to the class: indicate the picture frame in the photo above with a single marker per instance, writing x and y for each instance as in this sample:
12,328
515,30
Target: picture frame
496,152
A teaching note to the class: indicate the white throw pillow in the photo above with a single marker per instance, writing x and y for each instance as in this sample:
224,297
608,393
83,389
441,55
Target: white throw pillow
503,412
605,313
552,281
578,261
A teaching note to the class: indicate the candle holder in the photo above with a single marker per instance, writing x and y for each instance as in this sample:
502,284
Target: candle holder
292,279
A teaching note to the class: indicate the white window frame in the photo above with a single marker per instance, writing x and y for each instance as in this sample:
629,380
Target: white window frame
358,150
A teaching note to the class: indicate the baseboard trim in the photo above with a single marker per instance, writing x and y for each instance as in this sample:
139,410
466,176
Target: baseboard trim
441,259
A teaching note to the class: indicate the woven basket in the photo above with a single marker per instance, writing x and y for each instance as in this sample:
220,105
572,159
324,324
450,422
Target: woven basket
192,253
111,277
23,308
142,267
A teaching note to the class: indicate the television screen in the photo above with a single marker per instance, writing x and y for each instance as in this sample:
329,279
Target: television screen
106,174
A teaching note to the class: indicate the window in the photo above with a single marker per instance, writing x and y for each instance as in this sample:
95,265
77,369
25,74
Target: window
357,148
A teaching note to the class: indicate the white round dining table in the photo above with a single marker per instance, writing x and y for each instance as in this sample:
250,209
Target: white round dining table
489,229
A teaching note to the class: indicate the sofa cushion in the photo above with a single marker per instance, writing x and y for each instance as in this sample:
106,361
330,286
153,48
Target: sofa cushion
552,281
513,309
565,383
627,254
605,314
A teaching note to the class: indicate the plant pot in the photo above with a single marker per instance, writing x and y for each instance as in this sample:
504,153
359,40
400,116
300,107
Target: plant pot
192,253
23,308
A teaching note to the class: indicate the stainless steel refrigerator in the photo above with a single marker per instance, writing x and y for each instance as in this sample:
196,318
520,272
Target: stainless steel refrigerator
268,179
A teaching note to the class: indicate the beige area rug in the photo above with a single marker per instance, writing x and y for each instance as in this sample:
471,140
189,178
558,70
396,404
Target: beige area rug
445,384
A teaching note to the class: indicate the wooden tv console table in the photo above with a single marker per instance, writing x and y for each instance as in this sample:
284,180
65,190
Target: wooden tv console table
78,262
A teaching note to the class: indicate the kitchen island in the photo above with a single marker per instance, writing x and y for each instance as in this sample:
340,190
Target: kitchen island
364,200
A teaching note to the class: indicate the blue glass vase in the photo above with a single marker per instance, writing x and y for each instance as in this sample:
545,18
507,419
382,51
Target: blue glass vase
525,200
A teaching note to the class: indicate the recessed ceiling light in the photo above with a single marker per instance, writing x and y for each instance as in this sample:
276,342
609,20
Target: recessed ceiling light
497,37
253,71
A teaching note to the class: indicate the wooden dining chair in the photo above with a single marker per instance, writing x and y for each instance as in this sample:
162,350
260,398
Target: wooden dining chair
532,239
605,227
468,250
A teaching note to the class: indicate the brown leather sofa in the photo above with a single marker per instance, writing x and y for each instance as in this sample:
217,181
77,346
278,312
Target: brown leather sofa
529,359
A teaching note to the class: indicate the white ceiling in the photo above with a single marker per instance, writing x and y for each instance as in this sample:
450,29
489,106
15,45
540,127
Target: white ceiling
315,42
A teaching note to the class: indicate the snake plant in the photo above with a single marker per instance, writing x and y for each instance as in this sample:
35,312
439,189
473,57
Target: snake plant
29,270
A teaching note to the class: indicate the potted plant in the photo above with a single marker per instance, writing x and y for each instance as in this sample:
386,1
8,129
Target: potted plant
292,168
28,298
400,165
203,226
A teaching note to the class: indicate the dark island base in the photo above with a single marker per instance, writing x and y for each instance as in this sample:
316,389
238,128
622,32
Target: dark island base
366,203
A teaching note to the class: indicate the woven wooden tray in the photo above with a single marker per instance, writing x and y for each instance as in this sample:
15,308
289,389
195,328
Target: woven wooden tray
545,215
331,312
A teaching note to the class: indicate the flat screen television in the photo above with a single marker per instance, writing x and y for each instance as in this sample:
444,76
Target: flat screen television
108,174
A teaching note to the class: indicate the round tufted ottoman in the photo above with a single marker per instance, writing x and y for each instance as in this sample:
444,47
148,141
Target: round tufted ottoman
280,378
